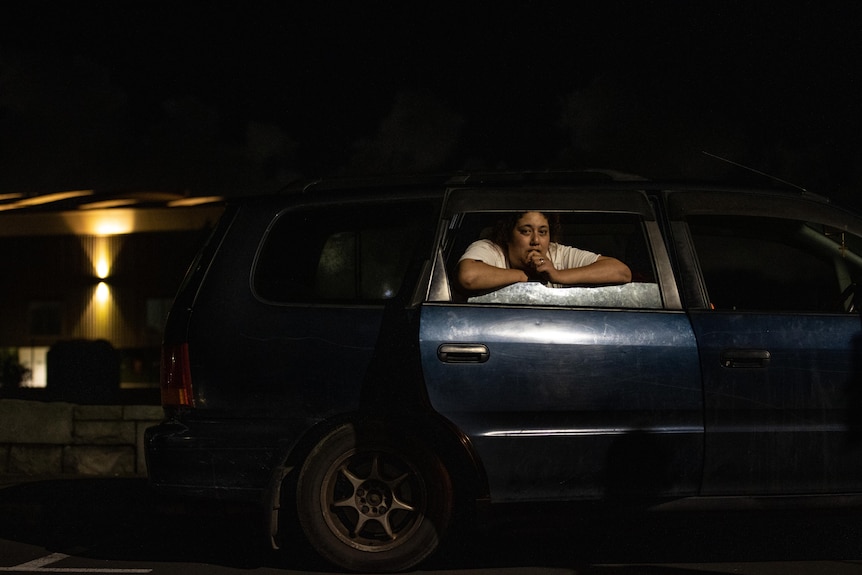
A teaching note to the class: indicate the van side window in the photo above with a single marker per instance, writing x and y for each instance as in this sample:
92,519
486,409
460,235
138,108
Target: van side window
772,264
345,254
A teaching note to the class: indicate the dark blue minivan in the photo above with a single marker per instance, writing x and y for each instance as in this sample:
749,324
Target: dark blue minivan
322,356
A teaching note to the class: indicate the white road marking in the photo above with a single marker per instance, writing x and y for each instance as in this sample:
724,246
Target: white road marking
39,566
37,563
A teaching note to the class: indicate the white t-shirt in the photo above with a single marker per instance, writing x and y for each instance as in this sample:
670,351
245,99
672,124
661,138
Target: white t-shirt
563,257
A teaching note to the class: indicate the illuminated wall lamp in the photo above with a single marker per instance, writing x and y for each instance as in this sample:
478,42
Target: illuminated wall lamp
103,292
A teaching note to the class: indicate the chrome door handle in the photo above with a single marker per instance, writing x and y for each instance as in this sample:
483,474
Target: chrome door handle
463,353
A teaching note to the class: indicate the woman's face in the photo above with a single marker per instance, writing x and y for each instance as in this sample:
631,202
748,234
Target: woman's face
530,237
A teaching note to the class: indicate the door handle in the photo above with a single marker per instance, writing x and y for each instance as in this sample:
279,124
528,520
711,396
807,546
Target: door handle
745,358
463,353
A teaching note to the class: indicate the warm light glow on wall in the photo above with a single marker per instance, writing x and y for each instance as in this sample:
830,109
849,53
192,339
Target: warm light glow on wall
102,251
101,318
101,256
102,268
103,293
100,222
114,222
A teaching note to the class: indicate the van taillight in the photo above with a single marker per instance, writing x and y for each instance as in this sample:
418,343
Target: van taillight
176,376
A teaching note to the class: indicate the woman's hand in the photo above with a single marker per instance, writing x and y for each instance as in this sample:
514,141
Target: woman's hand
542,266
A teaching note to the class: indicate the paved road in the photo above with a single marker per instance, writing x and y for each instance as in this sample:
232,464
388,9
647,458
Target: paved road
117,526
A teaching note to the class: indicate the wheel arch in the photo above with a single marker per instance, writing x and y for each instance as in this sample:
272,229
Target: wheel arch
439,435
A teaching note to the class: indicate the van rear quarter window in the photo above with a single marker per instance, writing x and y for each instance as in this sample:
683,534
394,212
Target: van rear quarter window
347,253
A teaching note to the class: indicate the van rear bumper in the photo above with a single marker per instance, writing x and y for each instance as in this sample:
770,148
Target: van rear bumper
212,467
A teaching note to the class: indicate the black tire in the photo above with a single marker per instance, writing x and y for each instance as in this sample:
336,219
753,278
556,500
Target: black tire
368,500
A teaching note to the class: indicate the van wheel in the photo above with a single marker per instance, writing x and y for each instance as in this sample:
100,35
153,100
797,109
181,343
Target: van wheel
372,501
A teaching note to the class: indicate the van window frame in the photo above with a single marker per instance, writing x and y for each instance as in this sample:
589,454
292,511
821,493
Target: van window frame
608,202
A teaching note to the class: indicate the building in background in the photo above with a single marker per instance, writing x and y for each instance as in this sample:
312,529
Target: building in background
86,283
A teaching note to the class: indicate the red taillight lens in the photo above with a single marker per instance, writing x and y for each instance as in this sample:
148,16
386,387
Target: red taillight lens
176,376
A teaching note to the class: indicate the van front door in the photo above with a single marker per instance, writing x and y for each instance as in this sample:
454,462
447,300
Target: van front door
778,347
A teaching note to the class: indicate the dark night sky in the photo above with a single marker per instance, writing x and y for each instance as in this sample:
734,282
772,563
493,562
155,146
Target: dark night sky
193,95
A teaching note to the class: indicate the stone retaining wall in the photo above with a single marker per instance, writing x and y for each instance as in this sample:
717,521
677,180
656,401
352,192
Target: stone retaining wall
44,439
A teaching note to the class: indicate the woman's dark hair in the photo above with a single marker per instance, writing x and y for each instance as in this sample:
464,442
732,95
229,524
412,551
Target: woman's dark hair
504,226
